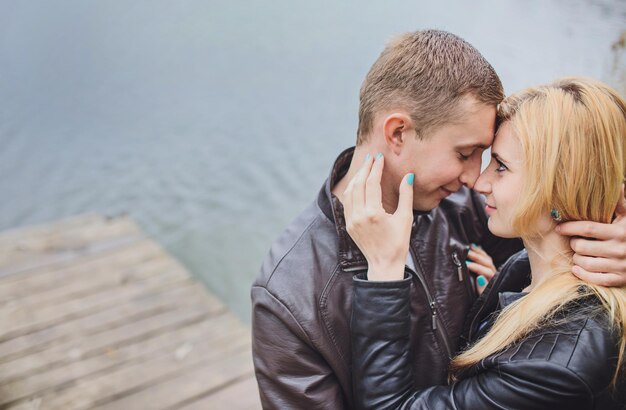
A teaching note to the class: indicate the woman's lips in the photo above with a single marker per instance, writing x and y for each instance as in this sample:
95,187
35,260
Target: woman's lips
489,209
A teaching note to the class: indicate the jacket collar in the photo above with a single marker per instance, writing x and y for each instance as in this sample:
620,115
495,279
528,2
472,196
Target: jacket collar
350,257
502,290
506,298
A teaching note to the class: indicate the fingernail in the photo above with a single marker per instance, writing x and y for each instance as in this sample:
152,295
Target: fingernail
481,280
474,245
467,262
379,155
367,157
410,179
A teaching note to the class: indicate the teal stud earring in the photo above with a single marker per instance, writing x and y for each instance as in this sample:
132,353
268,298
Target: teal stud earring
556,215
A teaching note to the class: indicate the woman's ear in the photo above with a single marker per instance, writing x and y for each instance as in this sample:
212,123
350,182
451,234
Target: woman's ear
397,127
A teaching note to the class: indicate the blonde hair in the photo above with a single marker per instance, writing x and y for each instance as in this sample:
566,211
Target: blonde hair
426,73
573,138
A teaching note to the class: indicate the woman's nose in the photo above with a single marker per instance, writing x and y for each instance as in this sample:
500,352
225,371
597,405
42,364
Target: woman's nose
483,185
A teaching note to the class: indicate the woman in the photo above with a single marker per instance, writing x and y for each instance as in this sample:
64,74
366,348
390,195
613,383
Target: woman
558,155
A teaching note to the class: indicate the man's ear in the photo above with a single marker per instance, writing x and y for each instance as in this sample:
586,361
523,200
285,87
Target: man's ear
397,127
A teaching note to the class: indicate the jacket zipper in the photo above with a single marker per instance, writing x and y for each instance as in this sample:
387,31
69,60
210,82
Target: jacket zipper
459,267
435,321
436,324
457,262
355,268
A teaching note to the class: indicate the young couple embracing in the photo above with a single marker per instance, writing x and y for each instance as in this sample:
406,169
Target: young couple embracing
414,281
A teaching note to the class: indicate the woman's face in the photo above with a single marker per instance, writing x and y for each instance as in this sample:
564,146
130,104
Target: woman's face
501,182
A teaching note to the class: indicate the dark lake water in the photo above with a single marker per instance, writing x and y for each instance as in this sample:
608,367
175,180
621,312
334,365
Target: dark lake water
214,123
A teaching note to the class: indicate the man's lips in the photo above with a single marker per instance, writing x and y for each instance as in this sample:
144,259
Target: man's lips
448,191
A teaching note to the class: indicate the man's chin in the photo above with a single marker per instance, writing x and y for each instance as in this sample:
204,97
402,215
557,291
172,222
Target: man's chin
426,206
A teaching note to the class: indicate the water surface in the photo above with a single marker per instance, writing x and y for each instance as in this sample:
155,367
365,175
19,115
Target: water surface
214,123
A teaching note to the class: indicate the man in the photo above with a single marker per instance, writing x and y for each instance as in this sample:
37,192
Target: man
428,105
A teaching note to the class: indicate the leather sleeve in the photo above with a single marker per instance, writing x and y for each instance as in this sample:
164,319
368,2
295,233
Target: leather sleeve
382,368
291,374
381,371
517,385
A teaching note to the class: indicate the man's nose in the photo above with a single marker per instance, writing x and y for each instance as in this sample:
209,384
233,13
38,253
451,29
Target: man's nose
471,173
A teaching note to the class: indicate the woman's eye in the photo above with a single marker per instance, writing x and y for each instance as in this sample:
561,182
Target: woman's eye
501,167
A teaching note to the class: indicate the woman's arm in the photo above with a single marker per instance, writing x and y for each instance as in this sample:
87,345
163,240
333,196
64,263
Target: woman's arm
382,369
381,365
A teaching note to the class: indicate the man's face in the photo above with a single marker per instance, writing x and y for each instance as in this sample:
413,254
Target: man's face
449,157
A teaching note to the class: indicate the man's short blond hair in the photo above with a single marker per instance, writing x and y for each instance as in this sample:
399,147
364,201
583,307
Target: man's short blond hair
426,73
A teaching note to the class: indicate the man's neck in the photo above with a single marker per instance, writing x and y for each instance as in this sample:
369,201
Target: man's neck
546,255
390,198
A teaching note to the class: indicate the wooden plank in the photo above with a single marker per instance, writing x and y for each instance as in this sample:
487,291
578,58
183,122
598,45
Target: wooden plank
30,321
21,252
192,383
90,282
30,404
216,340
38,281
63,234
43,230
111,317
82,383
84,347
93,314
239,395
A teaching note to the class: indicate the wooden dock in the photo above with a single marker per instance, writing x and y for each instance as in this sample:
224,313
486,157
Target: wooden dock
95,315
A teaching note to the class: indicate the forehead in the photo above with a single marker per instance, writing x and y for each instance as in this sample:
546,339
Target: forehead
506,145
475,126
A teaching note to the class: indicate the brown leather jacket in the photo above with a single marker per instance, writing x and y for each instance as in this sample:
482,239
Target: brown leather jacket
302,297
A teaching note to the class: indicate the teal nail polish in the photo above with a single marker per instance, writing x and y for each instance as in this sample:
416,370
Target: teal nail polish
410,179
474,245
481,280
379,155
467,262
367,157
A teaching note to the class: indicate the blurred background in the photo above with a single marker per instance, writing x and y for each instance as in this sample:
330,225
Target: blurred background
213,124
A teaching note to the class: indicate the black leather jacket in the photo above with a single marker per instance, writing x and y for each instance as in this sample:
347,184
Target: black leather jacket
568,365
302,297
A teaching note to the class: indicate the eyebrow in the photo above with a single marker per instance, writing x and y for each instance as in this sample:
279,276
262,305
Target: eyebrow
498,157
481,146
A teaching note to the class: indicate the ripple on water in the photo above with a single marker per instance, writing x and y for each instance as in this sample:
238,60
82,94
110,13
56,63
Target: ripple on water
214,136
